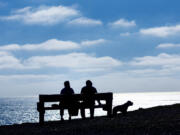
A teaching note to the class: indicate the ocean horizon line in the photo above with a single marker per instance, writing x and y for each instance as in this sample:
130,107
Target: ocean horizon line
122,92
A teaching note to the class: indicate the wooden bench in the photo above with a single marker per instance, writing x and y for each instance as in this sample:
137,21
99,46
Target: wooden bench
107,105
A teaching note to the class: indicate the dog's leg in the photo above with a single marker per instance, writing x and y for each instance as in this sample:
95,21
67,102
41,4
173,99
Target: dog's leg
115,110
124,113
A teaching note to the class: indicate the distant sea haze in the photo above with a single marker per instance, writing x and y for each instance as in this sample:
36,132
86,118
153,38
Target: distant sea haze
23,109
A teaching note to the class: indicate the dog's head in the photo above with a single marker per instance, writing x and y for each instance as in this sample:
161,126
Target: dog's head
129,103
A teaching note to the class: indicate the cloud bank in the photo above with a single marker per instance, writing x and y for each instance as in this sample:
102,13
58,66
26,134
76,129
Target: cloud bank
43,15
162,32
9,61
51,45
161,65
50,15
168,45
71,61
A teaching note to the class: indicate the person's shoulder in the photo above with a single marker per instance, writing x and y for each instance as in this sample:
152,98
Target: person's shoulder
94,89
62,91
83,89
72,90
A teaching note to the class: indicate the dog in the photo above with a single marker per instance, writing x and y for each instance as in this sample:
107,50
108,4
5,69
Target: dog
122,108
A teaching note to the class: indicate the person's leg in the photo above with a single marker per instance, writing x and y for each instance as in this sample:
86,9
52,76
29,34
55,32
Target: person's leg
83,113
83,110
69,111
62,113
92,112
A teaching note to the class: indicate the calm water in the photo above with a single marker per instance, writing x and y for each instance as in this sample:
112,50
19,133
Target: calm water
23,109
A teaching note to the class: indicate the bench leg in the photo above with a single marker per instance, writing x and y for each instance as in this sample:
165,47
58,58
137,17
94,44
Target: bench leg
109,106
109,112
41,117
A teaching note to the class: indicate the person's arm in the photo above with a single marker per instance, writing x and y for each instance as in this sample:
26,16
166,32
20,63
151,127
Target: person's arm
82,90
61,91
99,102
72,91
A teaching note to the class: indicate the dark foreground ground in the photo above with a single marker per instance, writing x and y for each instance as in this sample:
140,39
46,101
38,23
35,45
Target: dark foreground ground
161,120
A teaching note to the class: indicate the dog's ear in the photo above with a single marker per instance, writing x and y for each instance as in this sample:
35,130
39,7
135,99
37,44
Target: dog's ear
130,102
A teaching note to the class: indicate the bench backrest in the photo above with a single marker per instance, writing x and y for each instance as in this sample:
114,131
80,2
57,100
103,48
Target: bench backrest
78,97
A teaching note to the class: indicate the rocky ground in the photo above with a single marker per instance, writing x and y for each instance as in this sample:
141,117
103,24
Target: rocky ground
161,120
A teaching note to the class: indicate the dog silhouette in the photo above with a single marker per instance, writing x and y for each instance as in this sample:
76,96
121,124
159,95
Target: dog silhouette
122,108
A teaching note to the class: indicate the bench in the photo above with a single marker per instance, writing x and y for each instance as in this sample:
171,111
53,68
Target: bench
107,105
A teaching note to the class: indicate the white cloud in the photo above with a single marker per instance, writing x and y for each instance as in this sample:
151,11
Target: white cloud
22,10
131,79
9,61
73,61
43,15
163,31
126,82
77,62
50,15
4,54
163,60
32,77
27,85
168,45
10,47
153,72
93,42
82,21
123,23
31,84
166,65
52,44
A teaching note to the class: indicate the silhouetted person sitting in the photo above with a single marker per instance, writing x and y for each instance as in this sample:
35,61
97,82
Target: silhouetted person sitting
88,102
67,90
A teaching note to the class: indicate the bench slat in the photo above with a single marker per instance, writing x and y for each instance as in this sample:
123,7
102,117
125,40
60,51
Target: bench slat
58,107
58,97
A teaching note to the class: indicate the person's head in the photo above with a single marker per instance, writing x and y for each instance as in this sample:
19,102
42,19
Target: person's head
88,83
66,84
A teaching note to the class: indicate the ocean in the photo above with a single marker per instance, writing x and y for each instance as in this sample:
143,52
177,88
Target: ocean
17,110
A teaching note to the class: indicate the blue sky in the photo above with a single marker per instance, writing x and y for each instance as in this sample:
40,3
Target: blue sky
122,46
